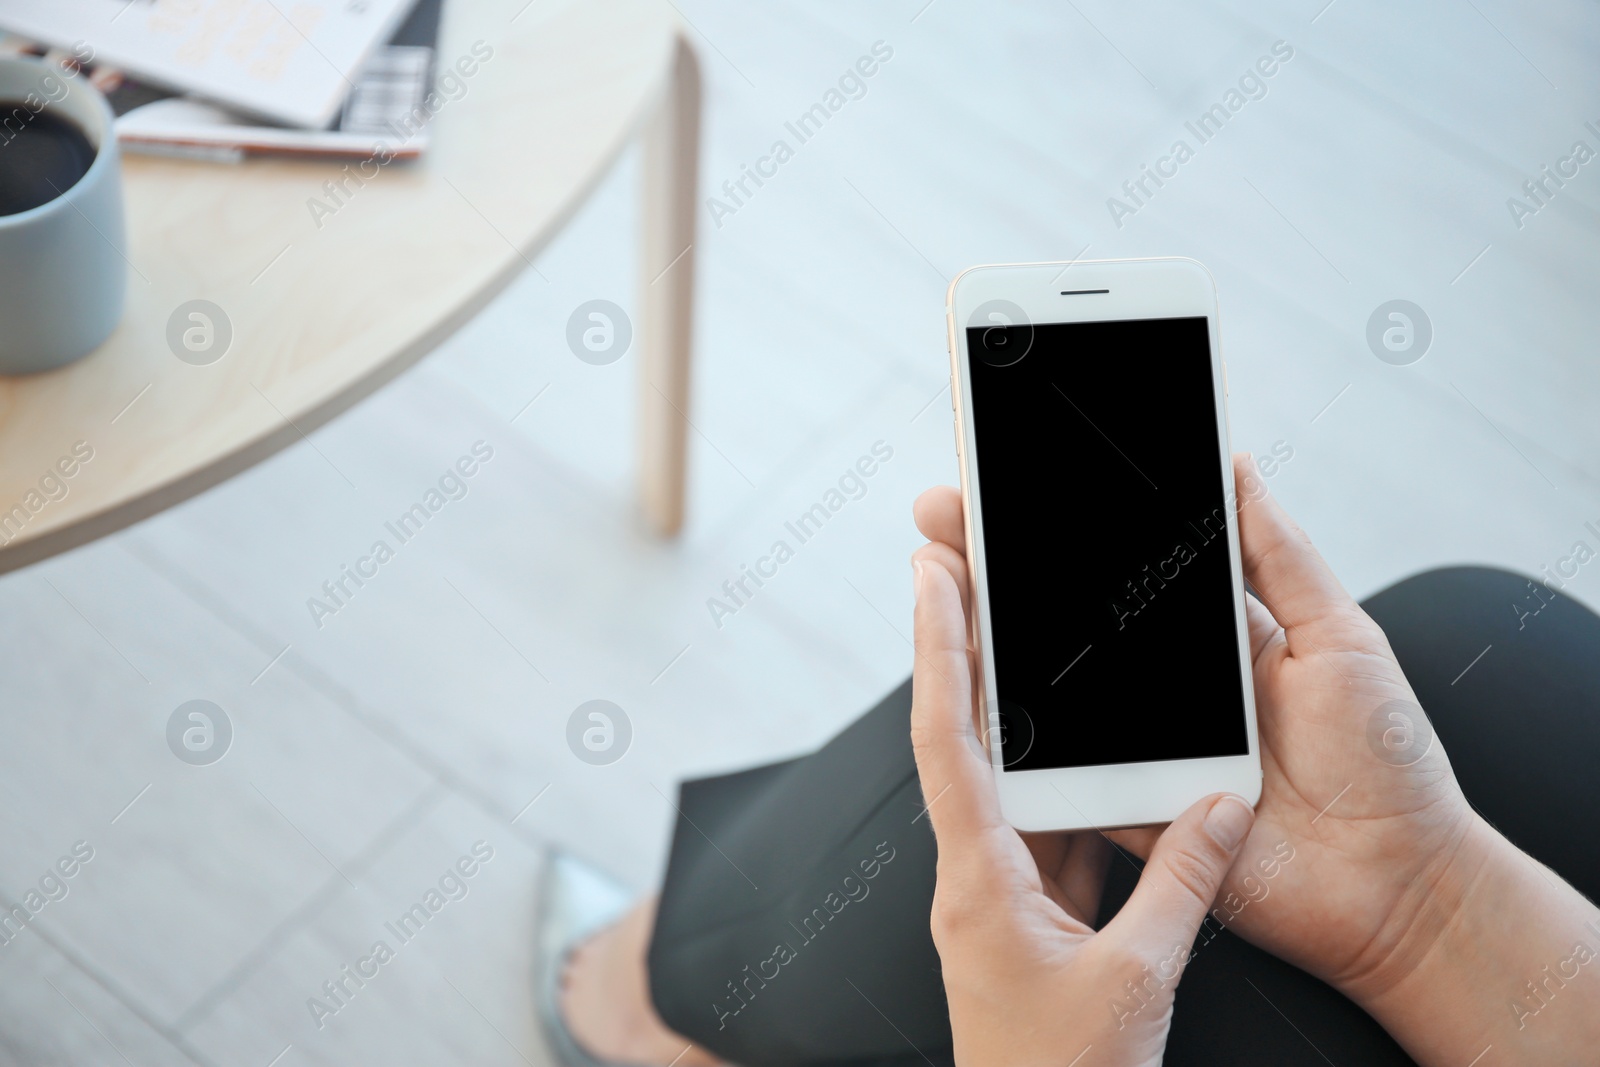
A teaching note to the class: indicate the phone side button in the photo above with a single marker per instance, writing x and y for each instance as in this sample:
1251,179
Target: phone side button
1225,379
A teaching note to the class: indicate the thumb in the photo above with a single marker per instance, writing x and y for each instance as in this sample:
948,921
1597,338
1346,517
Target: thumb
1183,875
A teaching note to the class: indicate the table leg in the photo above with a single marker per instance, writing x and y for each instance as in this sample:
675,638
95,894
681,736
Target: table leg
670,187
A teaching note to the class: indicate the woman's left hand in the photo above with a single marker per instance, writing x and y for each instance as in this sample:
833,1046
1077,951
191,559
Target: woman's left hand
1028,980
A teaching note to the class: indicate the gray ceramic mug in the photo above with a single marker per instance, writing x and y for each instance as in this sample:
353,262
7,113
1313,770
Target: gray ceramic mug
62,271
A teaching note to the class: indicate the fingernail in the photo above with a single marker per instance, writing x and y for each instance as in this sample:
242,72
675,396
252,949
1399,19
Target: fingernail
1229,820
916,578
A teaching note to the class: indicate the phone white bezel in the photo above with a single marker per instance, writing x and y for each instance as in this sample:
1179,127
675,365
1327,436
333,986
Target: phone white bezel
1103,796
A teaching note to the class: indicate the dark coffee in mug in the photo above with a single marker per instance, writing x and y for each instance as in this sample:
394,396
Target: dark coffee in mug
41,156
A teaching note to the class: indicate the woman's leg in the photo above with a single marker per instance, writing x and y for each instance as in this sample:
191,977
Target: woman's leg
793,921
1509,673
773,944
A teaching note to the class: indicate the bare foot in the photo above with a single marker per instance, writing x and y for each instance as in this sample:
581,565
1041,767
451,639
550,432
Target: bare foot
605,998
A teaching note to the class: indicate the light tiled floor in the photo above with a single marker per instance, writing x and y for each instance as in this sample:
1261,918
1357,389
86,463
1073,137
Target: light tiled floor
373,751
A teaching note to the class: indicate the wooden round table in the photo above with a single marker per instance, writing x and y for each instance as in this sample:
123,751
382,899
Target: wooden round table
325,308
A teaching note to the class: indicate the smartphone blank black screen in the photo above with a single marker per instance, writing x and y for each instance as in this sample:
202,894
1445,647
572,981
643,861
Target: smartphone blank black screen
1111,597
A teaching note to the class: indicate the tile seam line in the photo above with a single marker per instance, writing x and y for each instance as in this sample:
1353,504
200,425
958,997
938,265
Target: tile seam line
393,736
298,919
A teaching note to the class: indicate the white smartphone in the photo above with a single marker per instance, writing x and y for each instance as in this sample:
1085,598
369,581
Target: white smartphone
1113,659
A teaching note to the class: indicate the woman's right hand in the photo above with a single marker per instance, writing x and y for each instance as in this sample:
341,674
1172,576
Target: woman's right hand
1398,894
1355,789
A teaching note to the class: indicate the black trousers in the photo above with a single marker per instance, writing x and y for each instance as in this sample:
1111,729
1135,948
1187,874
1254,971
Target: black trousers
793,924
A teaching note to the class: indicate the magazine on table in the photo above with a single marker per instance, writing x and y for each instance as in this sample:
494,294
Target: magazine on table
290,62
382,109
